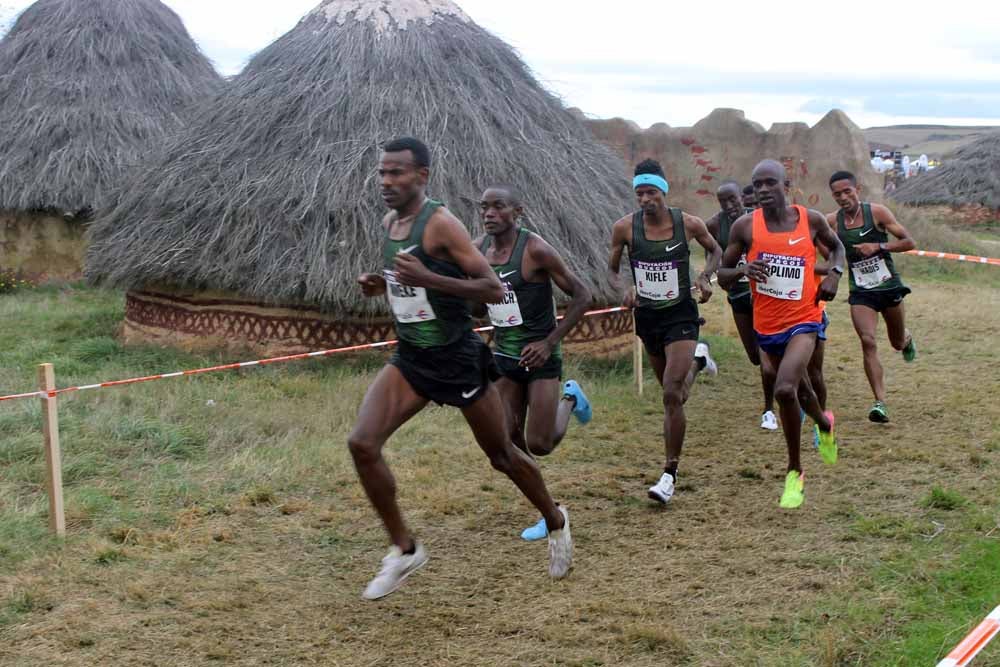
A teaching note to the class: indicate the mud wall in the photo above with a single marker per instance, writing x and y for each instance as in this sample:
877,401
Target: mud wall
44,247
725,145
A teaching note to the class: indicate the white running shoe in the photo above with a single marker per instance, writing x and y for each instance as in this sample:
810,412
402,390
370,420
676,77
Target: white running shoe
663,490
560,549
396,567
769,421
710,366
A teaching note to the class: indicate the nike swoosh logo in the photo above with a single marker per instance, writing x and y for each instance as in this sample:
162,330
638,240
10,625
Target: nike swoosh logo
504,275
672,248
470,394
864,232
794,241
410,249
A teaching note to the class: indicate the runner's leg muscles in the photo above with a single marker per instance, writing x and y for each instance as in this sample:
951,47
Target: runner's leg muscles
895,324
485,418
548,416
389,403
791,372
816,378
679,357
515,402
865,322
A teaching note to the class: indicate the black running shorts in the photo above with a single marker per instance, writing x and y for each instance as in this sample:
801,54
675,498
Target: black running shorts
741,305
457,374
658,328
879,300
513,370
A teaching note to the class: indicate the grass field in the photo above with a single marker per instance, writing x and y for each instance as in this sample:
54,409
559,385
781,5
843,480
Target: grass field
218,520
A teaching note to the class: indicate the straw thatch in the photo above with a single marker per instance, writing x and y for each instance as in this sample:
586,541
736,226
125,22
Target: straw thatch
274,194
970,177
86,88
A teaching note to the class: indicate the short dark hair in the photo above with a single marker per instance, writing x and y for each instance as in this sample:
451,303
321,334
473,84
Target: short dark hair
421,154
748,190
843,176
515,194
730,184
649,167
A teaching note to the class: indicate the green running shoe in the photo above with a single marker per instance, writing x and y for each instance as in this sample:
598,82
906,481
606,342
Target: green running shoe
794,493
827,442
910,351
878,413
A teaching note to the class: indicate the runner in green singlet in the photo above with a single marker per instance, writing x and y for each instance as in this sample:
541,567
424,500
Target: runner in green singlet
430,271
666,315
526,334
719,225
876,287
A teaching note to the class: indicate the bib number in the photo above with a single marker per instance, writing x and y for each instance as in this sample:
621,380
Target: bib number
741,263
409,304
656,281
870,273
785,277
506,313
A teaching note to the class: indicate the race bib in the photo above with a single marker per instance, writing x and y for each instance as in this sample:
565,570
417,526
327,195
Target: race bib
742,262
507,313
656,281
785,276
871,272
409,304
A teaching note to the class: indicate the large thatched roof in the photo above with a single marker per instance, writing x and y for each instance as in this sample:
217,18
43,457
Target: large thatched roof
971,176
86,88
274,193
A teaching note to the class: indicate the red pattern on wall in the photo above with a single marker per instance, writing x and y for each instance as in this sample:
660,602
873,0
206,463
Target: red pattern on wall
312,333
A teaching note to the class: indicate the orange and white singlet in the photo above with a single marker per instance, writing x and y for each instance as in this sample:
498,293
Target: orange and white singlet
788,298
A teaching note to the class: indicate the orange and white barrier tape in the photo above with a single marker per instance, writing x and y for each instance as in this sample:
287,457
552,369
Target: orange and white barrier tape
950,255
974,642
242,364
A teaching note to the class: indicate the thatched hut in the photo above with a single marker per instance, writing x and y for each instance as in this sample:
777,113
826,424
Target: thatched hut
970,178
86,89
253,225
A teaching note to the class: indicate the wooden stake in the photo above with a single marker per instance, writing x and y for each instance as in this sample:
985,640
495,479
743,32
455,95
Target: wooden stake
53,454
637,356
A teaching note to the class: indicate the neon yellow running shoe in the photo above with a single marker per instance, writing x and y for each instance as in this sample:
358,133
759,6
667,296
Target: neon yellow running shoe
794,493
827,442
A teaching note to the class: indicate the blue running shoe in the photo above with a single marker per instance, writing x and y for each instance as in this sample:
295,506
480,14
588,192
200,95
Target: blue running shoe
582,409
537,532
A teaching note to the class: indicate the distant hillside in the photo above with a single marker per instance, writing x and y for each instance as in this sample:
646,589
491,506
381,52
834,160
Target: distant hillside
937,141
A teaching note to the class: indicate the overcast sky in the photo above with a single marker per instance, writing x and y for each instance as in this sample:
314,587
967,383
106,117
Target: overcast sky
883,62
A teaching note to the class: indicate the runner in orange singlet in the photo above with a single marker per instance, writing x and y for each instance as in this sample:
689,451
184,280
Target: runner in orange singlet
780,243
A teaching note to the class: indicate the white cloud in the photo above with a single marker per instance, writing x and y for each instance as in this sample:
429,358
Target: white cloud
622,60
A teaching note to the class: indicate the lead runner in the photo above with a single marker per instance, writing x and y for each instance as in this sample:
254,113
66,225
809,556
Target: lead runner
431,269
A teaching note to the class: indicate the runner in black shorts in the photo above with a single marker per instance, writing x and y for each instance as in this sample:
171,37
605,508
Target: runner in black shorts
526,334
876,287
719,226
430,271
666,315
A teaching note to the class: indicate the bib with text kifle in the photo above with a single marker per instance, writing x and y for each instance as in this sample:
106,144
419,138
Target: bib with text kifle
656,281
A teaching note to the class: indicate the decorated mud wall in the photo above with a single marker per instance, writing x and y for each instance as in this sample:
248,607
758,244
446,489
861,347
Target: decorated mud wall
725,145
42,247
203,320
